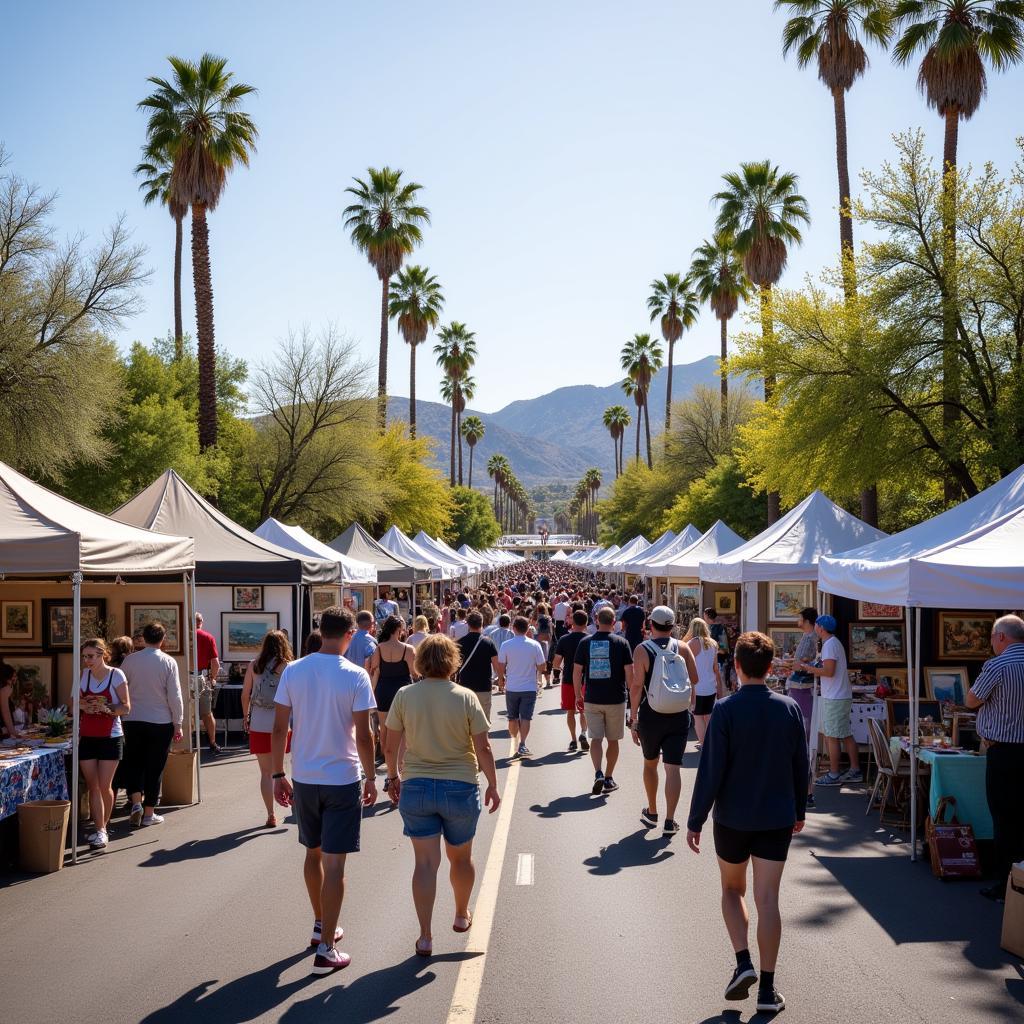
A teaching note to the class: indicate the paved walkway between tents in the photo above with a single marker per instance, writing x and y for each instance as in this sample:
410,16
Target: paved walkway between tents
205,919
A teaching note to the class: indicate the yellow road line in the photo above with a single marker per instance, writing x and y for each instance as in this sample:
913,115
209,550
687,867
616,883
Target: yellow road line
471,972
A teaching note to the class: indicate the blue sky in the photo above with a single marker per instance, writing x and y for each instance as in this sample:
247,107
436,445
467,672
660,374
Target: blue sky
568,152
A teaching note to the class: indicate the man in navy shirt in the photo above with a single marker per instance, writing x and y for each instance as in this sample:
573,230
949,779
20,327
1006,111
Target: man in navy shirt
633,618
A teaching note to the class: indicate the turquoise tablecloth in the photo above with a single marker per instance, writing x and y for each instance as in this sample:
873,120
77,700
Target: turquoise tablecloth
961,776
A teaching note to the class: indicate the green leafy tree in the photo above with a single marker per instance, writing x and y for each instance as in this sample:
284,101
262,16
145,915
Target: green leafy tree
416,302
675,305
722,493
641,359
473,521
473,431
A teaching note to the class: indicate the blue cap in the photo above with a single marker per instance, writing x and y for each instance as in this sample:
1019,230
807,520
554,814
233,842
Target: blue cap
827,623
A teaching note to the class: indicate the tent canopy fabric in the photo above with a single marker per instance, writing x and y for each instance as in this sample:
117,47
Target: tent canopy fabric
444,554
476,558
790,548
356,543
970,556
632,565
635,547
559,556
396,541
225,552
678,544
295,538
718,541
43,534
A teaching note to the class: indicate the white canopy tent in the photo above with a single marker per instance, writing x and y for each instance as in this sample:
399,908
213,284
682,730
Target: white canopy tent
396,541
680,542
637,546
634,564
296,539
685,564
607,555
459,566
559,556
485,564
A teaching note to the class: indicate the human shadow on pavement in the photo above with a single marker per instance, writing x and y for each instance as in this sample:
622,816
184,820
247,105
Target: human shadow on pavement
566,805
632,851
555,757
199,849
736,1017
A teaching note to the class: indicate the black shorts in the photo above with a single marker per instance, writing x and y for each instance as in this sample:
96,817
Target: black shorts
329,816
100,748
738,845
663,736
705,704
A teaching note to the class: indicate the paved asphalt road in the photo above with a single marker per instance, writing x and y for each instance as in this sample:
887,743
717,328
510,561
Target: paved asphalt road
205,919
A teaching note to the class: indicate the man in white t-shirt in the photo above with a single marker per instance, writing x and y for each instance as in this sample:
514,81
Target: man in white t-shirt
836,701
520,662
327,702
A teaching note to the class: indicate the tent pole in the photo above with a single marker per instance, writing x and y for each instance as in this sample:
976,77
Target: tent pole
188,613
76,693
195,669
915,707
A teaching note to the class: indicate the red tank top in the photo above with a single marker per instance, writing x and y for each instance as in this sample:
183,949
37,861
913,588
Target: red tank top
98,725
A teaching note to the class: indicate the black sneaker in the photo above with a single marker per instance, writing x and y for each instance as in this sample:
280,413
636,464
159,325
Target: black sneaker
610,785
573,747
584,743
770,1002
741,982
598,786
671,827
649,819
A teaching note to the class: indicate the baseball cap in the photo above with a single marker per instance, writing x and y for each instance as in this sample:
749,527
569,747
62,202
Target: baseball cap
662,615
827,623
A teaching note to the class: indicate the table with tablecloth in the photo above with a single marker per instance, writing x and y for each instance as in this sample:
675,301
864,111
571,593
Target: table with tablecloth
38,775
958,775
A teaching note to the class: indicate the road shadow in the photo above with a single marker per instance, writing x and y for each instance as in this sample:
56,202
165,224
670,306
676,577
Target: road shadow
567,805
736,1017
553,711
200,849
632,851
555,757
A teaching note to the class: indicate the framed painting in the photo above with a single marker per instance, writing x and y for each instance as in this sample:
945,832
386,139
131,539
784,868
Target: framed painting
136,616
895,679
324,598
16,620
247,599
59,621
948,684
37,676
686,602
871,611
965,635
242,633
785,640
872,644
726,602
787,600
898,714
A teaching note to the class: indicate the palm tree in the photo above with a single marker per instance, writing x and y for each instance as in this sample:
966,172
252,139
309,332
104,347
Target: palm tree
456,353
717,276
156,187
473,430
497,465
762,210
416,302
641,358
673,300
616,419
384,223
466,390
957,38
196,122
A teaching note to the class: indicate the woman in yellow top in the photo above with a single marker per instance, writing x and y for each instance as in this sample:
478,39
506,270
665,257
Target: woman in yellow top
445,732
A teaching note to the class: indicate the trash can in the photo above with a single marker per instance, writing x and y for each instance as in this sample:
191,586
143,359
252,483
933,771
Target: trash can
42,833
179,782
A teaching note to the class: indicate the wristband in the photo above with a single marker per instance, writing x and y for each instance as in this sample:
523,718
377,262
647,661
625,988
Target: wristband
279,775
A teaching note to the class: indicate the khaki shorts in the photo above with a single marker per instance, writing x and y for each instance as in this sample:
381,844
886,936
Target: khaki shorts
485,703
605,721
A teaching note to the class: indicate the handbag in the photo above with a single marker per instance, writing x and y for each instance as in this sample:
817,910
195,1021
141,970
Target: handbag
952,848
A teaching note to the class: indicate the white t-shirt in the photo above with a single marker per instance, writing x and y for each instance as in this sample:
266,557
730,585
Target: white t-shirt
561,611
459,628
90,686
415,639
835,687
521,657
324,691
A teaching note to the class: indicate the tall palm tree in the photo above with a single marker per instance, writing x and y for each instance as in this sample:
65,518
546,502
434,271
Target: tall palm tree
196,122
630,390
616,419
156,187
762,210
957,38
385,224
416,302
641,358
466,390
456,353
673,300
473,431
718,278
496,468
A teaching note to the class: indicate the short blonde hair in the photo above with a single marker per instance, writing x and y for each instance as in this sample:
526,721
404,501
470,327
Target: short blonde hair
437,657
420,624
699,628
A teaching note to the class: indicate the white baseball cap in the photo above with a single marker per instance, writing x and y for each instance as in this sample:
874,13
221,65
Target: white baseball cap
663,616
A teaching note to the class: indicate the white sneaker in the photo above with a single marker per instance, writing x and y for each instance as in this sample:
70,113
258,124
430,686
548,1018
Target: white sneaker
98,840
153,819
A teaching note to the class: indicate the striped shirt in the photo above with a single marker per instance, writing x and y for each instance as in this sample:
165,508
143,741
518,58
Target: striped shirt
1001,686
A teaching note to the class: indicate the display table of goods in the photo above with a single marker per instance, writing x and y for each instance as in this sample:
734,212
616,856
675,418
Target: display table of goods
32,768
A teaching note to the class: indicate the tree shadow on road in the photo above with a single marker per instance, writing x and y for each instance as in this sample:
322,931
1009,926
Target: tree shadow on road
632,851
199,849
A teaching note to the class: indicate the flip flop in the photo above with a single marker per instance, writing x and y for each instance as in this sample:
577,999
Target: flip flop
427,951
469,924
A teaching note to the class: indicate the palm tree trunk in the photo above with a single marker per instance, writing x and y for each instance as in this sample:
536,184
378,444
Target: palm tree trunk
458,435
412,390
179,330
615,448
639,412
724,375
647,432
382,357
202,284
768,336
668,389
451,468
950,361
471,447
845,218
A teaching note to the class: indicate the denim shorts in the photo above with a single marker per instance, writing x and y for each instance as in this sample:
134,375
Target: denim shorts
520,705
431,807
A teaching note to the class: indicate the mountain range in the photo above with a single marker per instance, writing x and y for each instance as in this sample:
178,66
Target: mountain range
557,436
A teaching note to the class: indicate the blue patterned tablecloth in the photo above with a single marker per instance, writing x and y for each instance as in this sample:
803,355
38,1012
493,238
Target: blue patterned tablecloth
38,775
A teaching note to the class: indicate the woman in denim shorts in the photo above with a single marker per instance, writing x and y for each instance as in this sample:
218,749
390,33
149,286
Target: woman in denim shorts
445,731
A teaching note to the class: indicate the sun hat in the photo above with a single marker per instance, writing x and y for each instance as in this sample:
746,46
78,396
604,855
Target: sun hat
663,616
827,623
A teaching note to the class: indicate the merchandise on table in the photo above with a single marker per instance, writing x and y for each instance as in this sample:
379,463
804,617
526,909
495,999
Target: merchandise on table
33,774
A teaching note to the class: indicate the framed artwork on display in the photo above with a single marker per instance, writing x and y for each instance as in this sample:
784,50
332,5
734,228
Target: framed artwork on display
947,684
686,602
872,644
785,640
965,635
787,600
247,599
898,714
242,633
895,679
353,599
324,598
59,621
16,620
872,611
725,602
37,676
137,616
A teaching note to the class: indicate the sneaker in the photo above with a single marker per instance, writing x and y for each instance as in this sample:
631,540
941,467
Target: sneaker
649,819
523,751
216,749
828,779
153,819
810,800
610,785
135,818
770,1002
98,840
328,959
317,938
740,983
671,827
853,775
598,786
584,743
573,747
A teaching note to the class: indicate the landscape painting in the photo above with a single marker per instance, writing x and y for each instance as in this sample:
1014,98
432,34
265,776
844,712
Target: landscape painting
242,633
687,604
137,616
965,635
787,600
16,620
949,685
59,621
872,644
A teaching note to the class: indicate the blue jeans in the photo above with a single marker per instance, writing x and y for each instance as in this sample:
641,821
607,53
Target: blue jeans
431,807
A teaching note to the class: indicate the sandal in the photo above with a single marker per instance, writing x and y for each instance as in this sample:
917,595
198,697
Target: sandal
427,949
271,822
469,924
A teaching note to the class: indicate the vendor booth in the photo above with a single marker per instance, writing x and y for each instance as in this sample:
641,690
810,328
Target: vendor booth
399,544
656,589
463,569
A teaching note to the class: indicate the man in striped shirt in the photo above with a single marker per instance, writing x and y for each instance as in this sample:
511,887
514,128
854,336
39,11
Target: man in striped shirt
998,693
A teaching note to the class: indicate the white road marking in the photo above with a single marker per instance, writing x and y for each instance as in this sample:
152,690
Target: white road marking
471,972
524,869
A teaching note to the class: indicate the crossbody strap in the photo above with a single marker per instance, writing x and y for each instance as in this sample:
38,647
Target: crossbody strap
469,658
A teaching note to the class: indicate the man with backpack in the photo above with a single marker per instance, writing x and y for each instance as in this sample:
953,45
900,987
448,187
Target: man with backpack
661,700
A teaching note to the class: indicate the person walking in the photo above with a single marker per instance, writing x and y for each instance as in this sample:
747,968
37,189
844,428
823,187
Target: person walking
437,794
633,618
709,686
420,631
362,645
479,664
753,773
153,723
562,667
262,677
327,700
208,659
391,668
998,694
604,666
520,664
543,634
662,697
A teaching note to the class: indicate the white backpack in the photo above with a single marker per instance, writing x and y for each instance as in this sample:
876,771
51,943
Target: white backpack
668,692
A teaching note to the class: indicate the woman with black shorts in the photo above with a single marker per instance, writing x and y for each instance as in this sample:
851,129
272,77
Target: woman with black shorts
753,771
391,668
